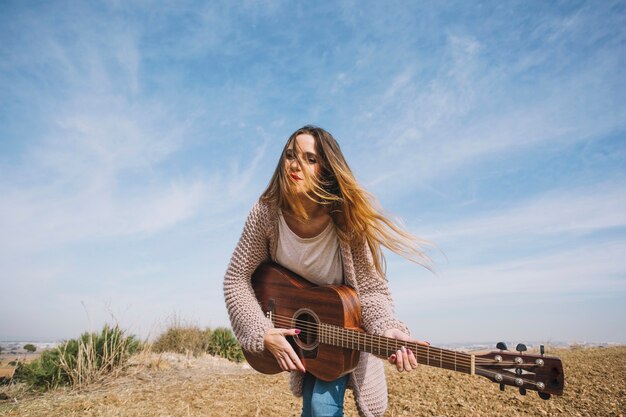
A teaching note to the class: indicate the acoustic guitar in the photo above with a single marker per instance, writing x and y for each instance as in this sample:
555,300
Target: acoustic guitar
331,337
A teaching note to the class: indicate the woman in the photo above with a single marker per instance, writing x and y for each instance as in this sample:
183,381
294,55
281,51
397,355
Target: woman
316,220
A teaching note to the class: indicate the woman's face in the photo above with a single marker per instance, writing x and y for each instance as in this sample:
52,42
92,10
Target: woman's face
307,159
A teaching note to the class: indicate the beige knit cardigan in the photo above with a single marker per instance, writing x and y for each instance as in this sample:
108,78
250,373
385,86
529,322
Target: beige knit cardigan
257,244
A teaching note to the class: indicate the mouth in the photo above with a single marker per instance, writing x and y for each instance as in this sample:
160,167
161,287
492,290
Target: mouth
295,177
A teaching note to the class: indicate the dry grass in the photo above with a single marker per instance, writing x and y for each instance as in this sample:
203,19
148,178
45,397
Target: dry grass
180,385
90,363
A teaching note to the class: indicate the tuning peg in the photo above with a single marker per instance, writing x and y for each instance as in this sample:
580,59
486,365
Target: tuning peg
501,346
521,348
522,391
544,395
502,387
541,350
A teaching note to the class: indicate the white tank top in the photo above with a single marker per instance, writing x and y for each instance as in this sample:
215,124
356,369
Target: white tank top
318,258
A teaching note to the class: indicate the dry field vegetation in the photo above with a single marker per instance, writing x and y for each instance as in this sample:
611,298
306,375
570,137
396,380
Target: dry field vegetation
171,384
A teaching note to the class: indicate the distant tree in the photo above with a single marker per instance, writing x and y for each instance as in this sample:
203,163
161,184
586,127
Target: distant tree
30,347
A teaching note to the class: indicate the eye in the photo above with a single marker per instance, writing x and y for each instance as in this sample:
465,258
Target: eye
311,158
289,154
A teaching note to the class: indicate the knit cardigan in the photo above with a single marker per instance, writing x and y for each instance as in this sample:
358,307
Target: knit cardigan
258,244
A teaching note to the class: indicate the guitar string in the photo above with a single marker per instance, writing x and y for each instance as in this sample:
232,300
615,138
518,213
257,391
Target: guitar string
430,354
335,333
453,356
436,357
512,378
450,359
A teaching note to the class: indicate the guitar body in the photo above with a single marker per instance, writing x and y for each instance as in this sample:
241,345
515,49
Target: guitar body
293,302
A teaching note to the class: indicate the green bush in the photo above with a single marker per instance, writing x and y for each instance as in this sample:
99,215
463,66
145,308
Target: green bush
182,339
43,373
191,339
29,347
79,361
224,344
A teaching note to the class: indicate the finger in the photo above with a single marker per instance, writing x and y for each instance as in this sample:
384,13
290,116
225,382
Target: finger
289,332
399,360
295,360
412,359
291,366
392,359
405,359
282,364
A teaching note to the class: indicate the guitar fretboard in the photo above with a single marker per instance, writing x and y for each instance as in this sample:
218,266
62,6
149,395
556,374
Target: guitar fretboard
385,346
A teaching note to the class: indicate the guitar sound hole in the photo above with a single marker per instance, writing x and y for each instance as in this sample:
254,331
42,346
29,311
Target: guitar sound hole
307,323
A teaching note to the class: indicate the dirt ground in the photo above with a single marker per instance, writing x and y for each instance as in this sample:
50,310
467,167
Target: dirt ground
174,385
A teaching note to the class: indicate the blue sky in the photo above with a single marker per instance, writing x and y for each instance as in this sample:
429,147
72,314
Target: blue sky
134,138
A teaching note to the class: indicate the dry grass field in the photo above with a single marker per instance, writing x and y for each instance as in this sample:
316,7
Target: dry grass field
175,385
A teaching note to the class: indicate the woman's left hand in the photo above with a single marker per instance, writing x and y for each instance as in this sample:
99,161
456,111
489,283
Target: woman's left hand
404,359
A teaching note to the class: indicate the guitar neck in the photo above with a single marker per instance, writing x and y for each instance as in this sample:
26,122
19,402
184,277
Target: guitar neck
384,347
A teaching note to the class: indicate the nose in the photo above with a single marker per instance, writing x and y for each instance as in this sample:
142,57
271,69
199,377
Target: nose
294,164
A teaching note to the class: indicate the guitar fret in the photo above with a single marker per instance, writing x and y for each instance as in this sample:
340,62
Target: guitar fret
351,340
327,334
330,338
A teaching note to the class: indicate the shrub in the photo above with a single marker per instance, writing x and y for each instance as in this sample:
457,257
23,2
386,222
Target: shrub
181,339
43,373
191,339
224,344
79,361
29,347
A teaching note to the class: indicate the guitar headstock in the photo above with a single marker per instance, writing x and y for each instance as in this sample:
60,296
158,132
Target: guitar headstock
540,373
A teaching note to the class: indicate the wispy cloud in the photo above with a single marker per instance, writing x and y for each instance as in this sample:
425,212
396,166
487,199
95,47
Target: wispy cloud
583,272
562,213
484,103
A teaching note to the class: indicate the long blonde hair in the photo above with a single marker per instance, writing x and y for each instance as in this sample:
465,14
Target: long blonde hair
353,209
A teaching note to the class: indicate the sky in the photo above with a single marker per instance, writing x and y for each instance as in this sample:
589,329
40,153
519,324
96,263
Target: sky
136,136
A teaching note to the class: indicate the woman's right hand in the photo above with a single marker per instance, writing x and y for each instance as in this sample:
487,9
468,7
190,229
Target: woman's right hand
276,343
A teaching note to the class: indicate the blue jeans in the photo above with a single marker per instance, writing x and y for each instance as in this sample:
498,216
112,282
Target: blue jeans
321,398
